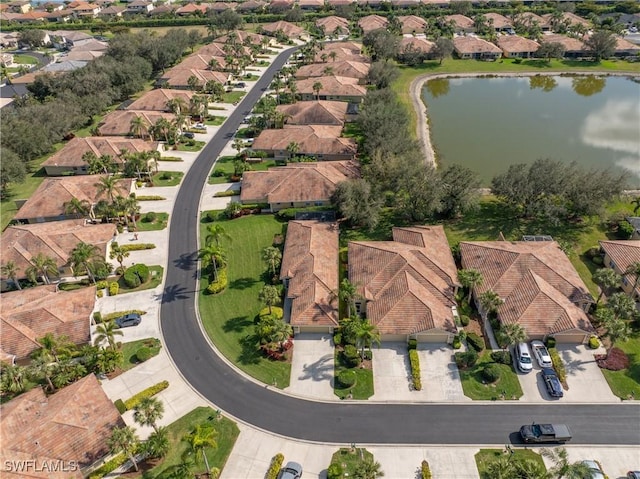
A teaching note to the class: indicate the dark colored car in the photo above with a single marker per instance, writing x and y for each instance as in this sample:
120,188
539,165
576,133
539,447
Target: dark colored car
552,383
241,85
189,135
132,319
292,470
633,475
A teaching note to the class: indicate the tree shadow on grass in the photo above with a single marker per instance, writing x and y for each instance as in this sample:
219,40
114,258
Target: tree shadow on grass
236,324
242,283
250,353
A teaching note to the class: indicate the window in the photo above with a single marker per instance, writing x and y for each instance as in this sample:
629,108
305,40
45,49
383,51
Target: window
625,281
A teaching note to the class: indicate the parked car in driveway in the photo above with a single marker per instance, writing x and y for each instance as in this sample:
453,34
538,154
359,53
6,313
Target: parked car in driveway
633,475
132,319
595,470
552,383
189,135
542,354
523,357
292,470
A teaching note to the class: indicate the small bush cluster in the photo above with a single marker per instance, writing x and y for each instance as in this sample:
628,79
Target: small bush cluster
456,344
550,342
150,217
275,466
113,288
425,470
101,284
412,344
133,401
219,285
558,365
143,354
467,359
337,338
150,198
616,360
501,357
334,471
119,404
594,343
475,341
166,176
100,293
351,356
491,373
464,320
136,275
347,378
137,246
108,466
222,194
97,317
414,360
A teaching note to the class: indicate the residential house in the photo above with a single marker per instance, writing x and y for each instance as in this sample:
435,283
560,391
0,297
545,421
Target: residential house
297,184
473,47
333,25
337,3
72,426
216,49
404,3
415,44
619,256
8,40
21,243
514,46
202,61
315,112
178,77
340,68
332,88
288,29
568,19
541,290
20,6
635,222
33,16
166,10
91,45
139,6
280,6
499,22
624,48
157,99
86,10
309,272
48,202
461,23
83,56
338,54
412,24
309,5
218,7
406,287
192,9
372,22
352,47
573,48
322,142
70,159
64,66
251,6
67,39
244,37
29,314
60,16
118,122
10,16
530,19
6,60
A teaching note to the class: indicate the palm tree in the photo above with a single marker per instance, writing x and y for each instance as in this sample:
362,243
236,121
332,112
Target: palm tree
161,128
470,278
177,105
84,255
157,444
202,437
348,294
269,295
76,207
211,255
368,469
42,266
10,270
511,334
617,330
55,347
124,439
215,233
107,330
500,468
131,208
12,378
238,144
490,301
636,205
293,88
277,85
562,468
366,335
42,367
634,269
622,306
118,254
607,279
138,127
530,469
148,412
317,86
273,257
108,184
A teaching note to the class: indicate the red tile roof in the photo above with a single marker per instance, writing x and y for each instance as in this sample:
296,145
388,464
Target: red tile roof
311,140
289,29
315,112
339,68
372,22
157,99
71,154
332,86
623,253
517,44
118,122
412,23
473,45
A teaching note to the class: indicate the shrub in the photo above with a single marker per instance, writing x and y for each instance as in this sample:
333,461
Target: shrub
501,357
597,260
100,293
616,360
133,401
120,406
97,317
113,288
220,284
625,230
425,470
101,284
464,320
368,355
120,229
211,216
165,176
491,373
593,251
413,344
558,365
136,275
137,246
594,343
143,353
414,360
233,210
337,338
218,173
456,344
351,356
334,471
475,341
275,466
467,359
222,194
150,198
109,466
550,342
347,378
150,217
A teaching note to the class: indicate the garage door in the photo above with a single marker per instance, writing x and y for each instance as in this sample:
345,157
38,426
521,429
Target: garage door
433,338
573,338
315,329
394,337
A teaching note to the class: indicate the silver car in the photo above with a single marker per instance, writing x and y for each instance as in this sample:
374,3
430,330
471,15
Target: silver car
542,354
292,470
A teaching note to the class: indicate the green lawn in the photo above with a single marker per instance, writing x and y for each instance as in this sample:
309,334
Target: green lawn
488,456
250,77
215,120
25,60
227,433
159,223
155,278
233,96
246,132
129,359
224,164
472,382
229,317
363,388
167,178
626,383
349,459
191,145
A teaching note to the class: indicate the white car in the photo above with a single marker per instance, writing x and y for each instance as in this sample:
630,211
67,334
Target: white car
594,470
542,354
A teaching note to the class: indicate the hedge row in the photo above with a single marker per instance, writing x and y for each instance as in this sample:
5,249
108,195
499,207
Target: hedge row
133,401
150,198
275,466
414,359
425,470
108,467
558,365
137,246
222,194
220,284
475,341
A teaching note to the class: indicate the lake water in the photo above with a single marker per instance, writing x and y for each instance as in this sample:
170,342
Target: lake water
488,124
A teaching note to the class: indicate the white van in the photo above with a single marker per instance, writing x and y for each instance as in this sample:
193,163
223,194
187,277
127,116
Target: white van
523,357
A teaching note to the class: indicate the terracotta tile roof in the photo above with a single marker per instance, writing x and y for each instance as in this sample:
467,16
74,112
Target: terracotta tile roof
191,8
315,112
83,56
462,22
200,61
499,21
20,243
342,54
311,139
29,314
157,99
418,44
221,6
118,122
309,4
310,260
216,49
92,45
570,44
570,18
353,47
372,22
517,44
530,17
251,5
70,425
179,76
242,36
71,154
471,45
289,29
332,23
49,199
338,68
412,23
623,45
408,285
302,182
332,86
624,253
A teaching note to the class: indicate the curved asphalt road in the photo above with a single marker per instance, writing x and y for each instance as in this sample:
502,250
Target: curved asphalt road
337,422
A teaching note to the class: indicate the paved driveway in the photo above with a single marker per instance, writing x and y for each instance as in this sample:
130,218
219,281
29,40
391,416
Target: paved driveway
312,366
391,373
439,374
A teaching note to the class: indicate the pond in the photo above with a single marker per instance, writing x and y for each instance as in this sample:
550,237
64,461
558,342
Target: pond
488,124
